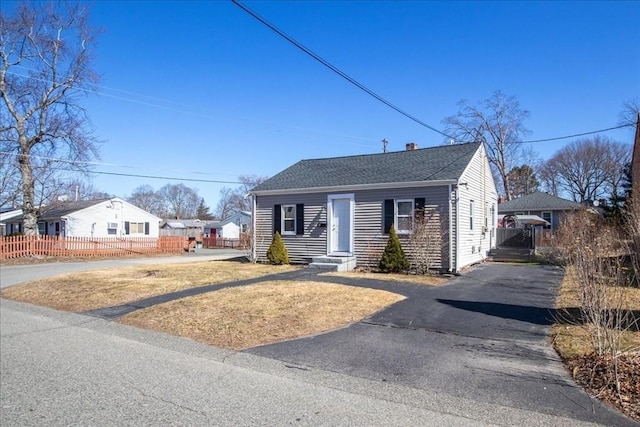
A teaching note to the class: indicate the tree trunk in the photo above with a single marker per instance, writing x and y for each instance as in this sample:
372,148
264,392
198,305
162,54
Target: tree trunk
30,218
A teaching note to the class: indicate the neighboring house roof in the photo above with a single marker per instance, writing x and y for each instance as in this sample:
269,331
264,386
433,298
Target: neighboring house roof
538,201
65,208
182,223
213,224
446,162
219,224
9,213
62,209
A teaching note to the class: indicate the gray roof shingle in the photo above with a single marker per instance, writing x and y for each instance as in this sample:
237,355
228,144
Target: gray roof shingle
426,164
65,208
538,201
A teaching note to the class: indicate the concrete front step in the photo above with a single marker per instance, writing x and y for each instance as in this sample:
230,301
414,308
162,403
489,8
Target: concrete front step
333,263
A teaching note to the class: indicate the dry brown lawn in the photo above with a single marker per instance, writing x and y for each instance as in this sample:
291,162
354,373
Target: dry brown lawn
573,340
268,312
235,318
619,387
392,277
90,290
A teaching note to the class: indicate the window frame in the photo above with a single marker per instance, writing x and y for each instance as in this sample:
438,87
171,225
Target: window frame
547,227
397,216
471,214
283,220
112,231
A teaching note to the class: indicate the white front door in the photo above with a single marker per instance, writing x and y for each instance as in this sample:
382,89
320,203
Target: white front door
340,224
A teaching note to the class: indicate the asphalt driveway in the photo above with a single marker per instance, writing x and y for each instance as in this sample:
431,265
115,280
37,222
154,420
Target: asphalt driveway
482,336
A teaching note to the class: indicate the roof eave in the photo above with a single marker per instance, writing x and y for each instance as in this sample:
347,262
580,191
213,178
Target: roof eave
355,187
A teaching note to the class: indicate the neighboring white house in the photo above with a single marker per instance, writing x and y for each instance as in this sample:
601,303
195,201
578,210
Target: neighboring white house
242,219
7,214
222,230
112,217
230,227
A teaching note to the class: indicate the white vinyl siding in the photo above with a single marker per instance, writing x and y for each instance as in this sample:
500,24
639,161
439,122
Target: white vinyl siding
476,188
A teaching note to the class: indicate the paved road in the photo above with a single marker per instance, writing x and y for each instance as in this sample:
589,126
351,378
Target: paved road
11,275
61,369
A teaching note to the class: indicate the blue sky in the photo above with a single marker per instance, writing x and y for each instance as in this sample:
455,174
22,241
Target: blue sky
203,87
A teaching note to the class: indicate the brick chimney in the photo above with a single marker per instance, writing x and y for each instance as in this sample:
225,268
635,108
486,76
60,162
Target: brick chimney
411,146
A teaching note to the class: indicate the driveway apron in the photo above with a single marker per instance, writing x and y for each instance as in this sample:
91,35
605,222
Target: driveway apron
481,336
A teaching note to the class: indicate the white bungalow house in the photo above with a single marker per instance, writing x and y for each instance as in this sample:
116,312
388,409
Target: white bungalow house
112,217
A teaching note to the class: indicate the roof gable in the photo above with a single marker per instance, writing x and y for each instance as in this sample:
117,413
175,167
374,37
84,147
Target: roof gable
538,201
445,162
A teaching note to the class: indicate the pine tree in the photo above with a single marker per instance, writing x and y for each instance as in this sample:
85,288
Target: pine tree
277,252
393,258
203,211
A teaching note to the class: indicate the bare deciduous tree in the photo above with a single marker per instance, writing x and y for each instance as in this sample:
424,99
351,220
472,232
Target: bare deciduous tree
629,113
428,240
9,182
145,197
589,169
180,201
234,199
498,123
45,63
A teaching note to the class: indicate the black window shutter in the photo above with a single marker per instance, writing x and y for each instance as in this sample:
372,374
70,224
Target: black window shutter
126,227
277,219
418,205
300,219
146,228
389,209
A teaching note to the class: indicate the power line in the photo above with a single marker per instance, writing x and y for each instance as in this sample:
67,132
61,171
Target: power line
211,181
334,68
576,134
205,114
94,163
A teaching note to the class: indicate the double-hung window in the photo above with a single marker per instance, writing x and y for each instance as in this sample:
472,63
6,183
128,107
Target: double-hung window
136,228
547,217
401,213
288,219
404,216
470,214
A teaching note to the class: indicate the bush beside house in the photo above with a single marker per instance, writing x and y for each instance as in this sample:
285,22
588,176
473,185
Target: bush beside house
393,258
277,252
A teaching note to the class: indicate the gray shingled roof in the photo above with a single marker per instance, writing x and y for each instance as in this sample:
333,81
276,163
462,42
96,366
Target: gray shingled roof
65,208
537,202
426,164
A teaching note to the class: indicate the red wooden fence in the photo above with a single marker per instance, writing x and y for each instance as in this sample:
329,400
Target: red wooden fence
23,246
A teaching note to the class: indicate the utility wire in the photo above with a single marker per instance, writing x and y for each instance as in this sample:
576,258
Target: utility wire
334,68
164,177
577,134
94,163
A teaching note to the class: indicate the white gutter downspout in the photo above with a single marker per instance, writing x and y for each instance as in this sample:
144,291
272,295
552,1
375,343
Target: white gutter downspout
457,226
450,229
254,252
